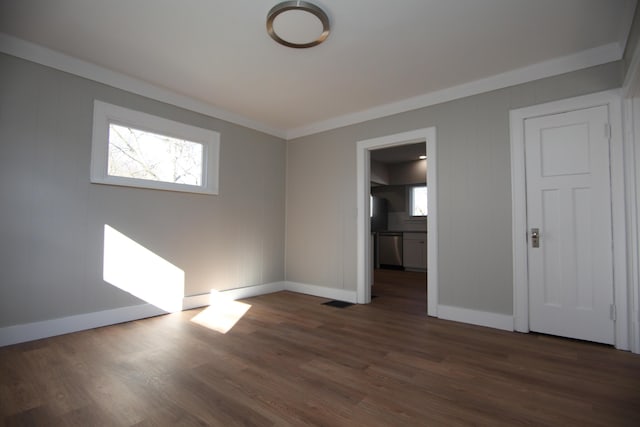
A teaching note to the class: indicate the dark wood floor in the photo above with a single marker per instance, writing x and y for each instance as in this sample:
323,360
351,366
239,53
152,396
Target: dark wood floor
293,361
400,291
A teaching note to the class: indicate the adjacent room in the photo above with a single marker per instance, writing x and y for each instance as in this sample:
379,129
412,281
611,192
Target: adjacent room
337,213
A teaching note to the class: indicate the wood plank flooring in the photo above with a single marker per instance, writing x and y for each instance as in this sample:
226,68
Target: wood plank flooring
291,361
400,291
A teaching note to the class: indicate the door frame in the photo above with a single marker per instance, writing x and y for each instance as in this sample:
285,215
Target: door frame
612,100
363,172
631,121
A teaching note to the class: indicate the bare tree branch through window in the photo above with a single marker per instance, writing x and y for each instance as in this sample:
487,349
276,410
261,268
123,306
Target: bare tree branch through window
135,153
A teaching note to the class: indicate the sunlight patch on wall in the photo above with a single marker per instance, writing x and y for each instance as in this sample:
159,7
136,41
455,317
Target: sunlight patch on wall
140,272
222,314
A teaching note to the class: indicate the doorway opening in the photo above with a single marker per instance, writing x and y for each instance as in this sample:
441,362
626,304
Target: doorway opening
398,227
365,258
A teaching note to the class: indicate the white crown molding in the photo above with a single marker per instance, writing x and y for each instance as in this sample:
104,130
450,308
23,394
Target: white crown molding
57,60
587,58
60,61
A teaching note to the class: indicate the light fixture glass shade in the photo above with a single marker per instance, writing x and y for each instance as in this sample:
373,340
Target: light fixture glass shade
297,24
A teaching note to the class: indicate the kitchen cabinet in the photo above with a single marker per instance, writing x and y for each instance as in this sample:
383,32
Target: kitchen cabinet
414,247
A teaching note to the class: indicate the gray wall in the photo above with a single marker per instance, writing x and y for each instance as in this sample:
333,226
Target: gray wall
632,41
414,172
379,173
474,193
52,218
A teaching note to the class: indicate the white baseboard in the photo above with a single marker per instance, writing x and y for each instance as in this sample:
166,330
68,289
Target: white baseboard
48,328
195,301
475,317
80,322
254,291
321,291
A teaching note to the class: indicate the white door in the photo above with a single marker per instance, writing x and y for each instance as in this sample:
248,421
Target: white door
569,214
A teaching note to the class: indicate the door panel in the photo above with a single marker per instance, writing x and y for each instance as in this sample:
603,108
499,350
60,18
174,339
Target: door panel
552,259
569,201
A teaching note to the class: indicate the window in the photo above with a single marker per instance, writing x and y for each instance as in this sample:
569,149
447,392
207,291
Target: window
370,205
136,149
418,200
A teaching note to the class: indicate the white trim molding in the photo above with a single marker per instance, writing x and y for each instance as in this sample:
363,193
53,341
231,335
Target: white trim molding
59,61
363,224
254,291
48,328
580,60
631,120
105,115
519,217
476,317
321,291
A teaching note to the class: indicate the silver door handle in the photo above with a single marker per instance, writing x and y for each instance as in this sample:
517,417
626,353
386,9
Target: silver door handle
535,237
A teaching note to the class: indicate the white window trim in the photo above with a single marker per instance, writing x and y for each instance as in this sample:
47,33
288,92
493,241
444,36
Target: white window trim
105,114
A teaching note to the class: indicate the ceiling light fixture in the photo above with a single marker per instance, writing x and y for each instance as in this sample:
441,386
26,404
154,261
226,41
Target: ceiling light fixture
297,24
422,157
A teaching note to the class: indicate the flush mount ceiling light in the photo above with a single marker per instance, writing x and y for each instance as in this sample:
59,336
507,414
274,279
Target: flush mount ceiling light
297,24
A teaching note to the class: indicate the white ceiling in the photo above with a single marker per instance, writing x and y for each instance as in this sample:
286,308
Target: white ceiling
399,153
381,57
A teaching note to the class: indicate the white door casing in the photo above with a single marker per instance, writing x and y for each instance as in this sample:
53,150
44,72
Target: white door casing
631,112
363,223
611,100
569,206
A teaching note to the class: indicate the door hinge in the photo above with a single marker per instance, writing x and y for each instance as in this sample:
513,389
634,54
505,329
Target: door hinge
612,312
607,130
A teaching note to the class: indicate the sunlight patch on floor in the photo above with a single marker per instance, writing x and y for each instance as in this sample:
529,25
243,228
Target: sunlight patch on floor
222,314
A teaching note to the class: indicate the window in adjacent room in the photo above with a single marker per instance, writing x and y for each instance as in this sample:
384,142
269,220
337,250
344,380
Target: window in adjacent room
370,206
418,200
136,149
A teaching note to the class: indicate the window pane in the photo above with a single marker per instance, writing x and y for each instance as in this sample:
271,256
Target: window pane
419,201
370,206
134,153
